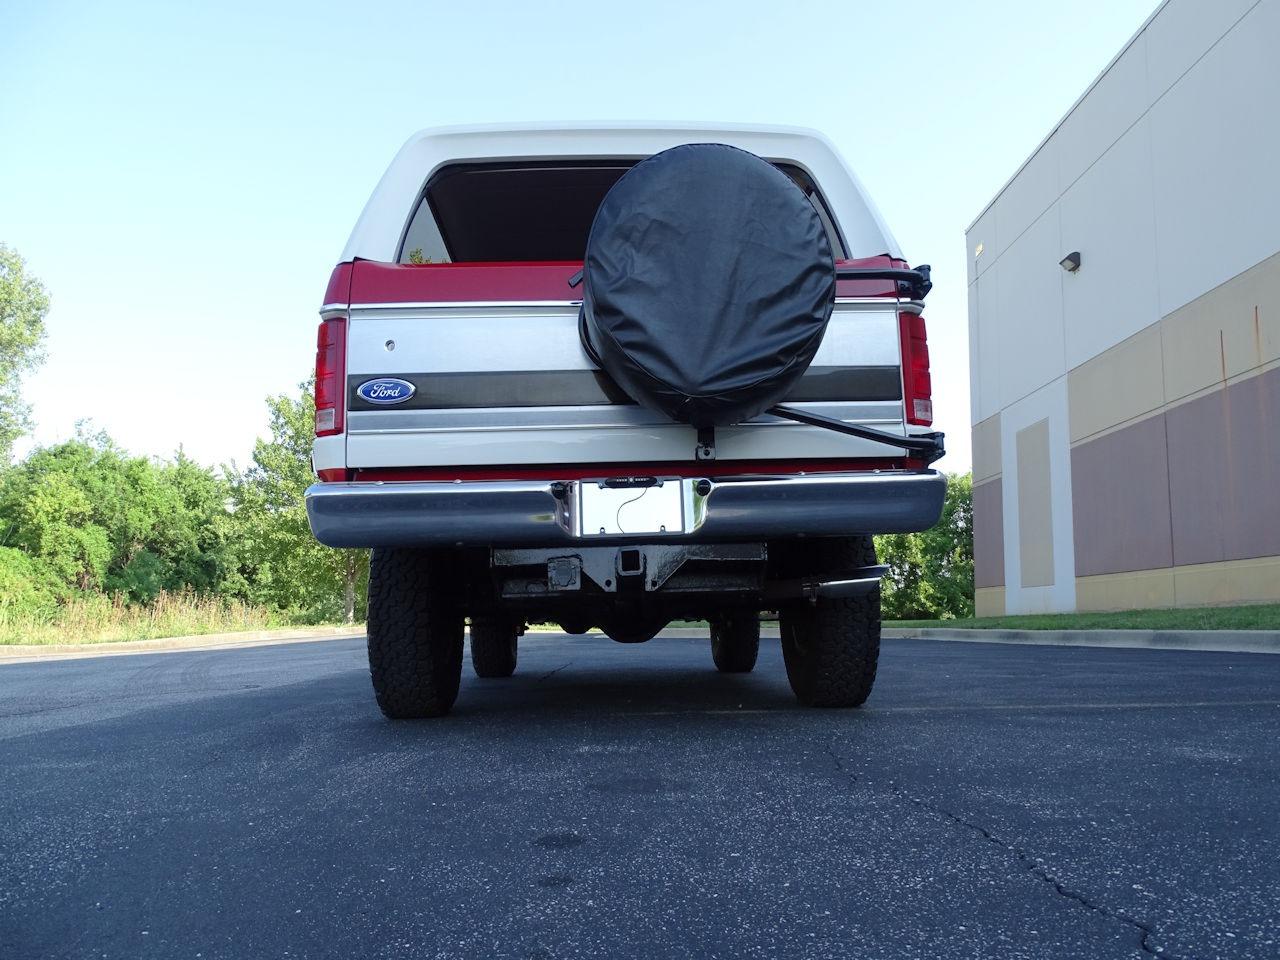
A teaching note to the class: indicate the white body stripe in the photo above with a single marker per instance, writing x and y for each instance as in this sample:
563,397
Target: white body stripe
524,337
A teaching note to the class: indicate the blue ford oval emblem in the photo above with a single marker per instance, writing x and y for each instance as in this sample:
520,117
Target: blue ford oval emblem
386,390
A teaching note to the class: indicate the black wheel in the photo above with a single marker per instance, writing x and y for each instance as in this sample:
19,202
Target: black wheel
415,634
831,647
493,646
735,642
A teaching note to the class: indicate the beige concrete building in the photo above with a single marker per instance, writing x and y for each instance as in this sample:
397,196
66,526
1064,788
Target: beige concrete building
1126,415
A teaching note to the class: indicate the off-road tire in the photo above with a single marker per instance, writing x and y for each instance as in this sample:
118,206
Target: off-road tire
493,646
831,647
415,634
735,642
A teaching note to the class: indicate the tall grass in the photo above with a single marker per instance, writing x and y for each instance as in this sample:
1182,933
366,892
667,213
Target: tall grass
100,619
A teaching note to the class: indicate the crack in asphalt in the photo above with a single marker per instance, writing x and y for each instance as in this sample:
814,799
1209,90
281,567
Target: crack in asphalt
552,673
1033,866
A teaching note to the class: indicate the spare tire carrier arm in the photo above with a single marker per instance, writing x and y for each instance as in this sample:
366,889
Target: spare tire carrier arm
928,445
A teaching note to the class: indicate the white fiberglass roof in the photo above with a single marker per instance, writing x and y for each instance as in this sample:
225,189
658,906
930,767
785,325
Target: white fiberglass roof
377,233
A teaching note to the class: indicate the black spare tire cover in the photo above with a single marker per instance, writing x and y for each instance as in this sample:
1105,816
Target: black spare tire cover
708,284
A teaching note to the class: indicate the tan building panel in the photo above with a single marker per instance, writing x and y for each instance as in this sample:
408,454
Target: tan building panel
988,534
1120,384
986,449
1120,499
1035,505
1250,305
988,602
1236,581
1135,590
1230,330
1200,585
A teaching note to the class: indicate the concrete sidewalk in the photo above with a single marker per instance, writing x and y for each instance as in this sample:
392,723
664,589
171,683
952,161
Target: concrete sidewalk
24,653
20,653
1219,641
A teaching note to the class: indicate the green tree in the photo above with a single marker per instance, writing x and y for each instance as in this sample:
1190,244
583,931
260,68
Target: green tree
281,564
51,520
931,573
23,305
196,531
97,519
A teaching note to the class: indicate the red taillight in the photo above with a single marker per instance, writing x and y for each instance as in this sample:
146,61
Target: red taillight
331,371
917,386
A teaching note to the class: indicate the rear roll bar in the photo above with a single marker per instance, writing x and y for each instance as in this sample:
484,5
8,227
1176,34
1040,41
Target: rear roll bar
912,283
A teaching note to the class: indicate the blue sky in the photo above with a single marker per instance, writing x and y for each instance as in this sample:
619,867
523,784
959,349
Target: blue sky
183,176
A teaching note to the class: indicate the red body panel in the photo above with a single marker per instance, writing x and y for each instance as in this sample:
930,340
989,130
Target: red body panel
869,288
461,282
376,282
339,289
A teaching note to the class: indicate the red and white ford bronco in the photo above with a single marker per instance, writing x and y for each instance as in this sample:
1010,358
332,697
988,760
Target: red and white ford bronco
612,376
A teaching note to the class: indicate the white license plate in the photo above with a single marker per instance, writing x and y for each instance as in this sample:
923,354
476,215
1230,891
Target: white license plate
617,511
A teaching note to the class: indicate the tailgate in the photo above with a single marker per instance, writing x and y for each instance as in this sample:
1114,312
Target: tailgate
504,380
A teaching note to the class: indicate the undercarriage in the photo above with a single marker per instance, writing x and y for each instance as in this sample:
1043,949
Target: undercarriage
824,591
632,591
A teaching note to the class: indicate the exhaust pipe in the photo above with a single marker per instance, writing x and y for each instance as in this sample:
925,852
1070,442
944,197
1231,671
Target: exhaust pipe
859,582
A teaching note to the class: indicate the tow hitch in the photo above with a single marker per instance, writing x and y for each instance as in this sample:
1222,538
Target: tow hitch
669,568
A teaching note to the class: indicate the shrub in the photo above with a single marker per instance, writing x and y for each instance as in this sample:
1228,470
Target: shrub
26,589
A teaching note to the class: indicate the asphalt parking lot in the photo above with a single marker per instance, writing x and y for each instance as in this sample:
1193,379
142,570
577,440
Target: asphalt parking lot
627,801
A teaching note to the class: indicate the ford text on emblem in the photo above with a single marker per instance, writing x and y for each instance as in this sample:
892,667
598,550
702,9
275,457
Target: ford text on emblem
386,390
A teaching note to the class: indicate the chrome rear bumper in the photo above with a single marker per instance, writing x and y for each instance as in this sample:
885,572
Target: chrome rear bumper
541,512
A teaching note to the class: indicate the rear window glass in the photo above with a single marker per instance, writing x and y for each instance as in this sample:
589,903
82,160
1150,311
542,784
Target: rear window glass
529,211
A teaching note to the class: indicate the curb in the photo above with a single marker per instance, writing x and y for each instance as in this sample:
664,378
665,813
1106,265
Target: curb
25,653
1211,641
28,653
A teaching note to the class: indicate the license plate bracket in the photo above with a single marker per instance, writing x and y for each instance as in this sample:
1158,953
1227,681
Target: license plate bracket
628,506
